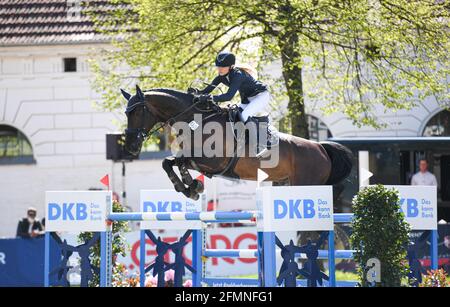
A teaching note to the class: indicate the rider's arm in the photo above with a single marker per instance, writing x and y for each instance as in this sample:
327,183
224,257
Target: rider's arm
211,86
234,87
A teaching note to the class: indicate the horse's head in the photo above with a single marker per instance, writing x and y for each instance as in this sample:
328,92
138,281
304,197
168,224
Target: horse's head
140,121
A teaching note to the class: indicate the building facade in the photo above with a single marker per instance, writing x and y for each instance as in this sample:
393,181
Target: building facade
52,133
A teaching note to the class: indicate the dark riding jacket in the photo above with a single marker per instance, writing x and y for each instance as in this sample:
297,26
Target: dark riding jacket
24,225
236,80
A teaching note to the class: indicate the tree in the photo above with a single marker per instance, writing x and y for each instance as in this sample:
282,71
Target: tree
354,54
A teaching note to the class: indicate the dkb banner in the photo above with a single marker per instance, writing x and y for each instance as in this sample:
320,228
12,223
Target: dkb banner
76,210
419,204
295,208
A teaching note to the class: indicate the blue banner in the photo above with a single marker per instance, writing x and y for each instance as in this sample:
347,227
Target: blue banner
22,262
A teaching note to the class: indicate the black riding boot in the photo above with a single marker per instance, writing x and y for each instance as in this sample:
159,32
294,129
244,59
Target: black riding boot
261,122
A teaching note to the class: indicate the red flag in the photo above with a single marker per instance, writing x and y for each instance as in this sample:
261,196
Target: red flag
201,178
105,180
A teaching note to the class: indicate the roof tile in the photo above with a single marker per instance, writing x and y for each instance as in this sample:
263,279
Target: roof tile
29,22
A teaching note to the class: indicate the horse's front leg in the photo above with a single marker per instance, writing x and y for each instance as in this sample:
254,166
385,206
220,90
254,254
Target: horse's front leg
196,186
185,176
167,165
190,191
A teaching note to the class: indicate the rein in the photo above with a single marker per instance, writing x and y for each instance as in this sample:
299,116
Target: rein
168,122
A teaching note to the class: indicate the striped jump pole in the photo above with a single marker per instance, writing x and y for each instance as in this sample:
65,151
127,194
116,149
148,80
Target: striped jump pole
253,253
210,216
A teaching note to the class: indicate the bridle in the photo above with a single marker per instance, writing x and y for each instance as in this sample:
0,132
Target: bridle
142,134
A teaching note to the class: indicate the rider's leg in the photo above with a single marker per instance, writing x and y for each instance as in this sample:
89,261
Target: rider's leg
258,106
242,107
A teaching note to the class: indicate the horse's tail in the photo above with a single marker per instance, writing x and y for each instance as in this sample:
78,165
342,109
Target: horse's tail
341,161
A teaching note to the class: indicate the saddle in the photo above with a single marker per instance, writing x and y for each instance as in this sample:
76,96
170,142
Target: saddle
235,116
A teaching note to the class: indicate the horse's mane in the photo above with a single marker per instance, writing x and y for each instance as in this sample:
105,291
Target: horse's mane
182,96
179,95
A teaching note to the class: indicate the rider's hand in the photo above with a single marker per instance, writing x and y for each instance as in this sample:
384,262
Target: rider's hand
204,98
193,90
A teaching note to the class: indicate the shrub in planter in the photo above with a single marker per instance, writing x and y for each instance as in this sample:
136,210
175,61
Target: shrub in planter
380,231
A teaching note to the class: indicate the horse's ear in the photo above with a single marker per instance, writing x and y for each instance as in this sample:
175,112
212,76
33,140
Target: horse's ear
139,93
125,94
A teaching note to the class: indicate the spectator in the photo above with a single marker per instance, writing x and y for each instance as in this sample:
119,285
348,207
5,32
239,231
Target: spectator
30,227
423,177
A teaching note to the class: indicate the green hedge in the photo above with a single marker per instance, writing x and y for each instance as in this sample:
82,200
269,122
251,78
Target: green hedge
380,231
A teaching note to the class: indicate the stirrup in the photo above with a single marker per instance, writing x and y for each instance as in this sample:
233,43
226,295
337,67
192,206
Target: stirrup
260,155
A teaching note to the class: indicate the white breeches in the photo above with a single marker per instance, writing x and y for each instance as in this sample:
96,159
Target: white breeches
258,105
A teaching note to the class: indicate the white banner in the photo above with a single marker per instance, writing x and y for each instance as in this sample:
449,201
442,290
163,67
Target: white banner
170,201
76,210
235,194
295,208
419,204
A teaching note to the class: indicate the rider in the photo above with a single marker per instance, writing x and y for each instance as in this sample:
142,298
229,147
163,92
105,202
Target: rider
255,96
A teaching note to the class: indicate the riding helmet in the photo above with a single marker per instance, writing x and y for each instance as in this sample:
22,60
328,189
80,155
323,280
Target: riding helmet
225,59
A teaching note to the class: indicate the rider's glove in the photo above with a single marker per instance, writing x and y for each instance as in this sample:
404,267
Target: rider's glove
193,90
205,98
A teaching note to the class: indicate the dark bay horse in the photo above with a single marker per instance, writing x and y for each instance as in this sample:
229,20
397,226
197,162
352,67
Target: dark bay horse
300,161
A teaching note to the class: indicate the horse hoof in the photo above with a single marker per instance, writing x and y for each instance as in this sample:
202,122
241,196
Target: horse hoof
187,193
198,186
194,196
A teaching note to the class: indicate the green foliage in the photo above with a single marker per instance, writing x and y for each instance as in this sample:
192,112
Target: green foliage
356,55
380,231
346,276
119,247
435,278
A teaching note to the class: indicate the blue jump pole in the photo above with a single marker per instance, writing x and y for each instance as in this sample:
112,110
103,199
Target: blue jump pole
253,253
142,252
434,249
47,260
231,253
340,218
260,242
331,259
267,257
217,217
103,259
197,249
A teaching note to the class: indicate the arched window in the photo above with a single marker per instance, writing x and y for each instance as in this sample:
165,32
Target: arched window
318,131
14,146
438,125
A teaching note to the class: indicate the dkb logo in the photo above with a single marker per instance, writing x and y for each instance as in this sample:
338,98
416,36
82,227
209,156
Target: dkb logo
67,211
162,206
293,210
412,209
